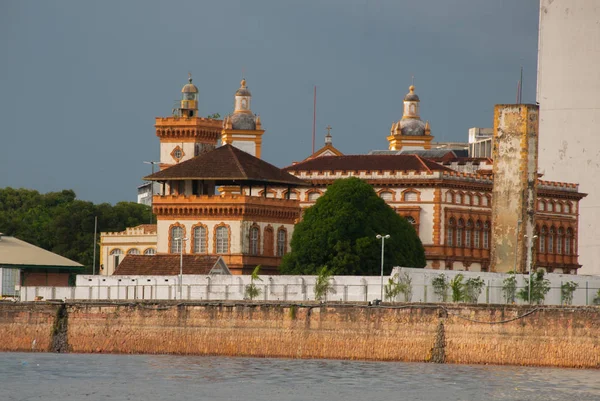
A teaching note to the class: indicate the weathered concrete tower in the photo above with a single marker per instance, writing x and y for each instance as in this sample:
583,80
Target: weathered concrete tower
515,155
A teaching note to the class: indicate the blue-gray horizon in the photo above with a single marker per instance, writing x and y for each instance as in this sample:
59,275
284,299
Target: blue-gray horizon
81,83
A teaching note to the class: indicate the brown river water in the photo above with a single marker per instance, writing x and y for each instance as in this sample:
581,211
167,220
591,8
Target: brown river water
65,377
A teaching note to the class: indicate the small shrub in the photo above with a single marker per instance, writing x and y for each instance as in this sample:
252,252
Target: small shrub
458,288
252,291
566,292
440,287
539,288
472,289
323,284
596,300
509,288
399,284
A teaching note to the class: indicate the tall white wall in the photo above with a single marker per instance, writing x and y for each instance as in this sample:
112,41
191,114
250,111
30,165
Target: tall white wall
568,93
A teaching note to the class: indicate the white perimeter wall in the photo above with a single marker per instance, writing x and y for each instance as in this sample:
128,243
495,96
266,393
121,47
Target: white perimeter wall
292,288
569,97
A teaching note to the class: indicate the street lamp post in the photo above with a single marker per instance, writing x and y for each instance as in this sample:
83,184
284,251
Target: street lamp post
180,264
153,163
382,238
531,262
516,270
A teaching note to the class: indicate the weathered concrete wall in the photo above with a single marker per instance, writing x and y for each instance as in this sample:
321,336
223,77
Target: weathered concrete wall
514,190
26,326
545,336
567,91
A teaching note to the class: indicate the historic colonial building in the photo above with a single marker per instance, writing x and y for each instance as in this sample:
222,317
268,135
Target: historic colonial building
226,201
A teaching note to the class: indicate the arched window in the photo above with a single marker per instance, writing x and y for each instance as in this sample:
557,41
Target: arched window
467,199
222,239
558,208
293,195
116,254
410,196
176,239
386,196
200,239
133,251
484,201
281,242
313,196
567,208
543,234
486,235
559,240
459,233
150,251
475,200
468,233
550,207
551,241
254,231
450,232
569,242
458,199
541,206
449,197
477,237
268,241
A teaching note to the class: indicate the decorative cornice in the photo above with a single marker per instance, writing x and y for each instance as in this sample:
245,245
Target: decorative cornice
226,207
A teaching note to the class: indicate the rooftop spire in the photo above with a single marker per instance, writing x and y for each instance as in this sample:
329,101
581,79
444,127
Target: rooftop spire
328,138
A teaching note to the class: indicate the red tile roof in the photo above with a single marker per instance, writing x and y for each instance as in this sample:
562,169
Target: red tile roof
227,163
368,163
165,265
148,228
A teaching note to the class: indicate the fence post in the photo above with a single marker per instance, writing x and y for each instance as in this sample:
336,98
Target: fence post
487,292
561,294
586,293
285,288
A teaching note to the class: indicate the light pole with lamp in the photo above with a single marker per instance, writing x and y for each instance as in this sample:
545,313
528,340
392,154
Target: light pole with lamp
531,262
180,264
153,163
382,238
516,270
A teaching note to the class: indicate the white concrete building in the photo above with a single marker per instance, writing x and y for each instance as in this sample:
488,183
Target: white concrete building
568,95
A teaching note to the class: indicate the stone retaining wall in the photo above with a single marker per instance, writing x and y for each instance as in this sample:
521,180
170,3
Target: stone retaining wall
506,335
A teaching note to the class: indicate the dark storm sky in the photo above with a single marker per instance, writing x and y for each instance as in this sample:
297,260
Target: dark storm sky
81,82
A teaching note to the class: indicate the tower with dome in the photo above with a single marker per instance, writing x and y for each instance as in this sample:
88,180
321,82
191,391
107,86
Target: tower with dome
410,132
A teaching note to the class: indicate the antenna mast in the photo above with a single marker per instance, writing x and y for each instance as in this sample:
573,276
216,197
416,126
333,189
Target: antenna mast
314,118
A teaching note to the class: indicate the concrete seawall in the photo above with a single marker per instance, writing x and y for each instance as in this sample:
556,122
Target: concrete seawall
490,334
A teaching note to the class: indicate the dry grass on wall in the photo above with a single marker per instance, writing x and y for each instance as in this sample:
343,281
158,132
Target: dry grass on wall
26,327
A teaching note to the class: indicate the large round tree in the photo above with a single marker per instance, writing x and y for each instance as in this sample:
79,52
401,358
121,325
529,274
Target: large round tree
340,231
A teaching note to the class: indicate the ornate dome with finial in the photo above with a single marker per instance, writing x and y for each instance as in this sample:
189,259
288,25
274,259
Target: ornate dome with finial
412,127
243,121
243,91
189,87
411,96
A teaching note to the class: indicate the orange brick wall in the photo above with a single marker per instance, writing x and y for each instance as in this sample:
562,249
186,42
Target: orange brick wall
550,336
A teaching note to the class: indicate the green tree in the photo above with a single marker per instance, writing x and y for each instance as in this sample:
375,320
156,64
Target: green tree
339,232
60,223
252,291
540,286
323,285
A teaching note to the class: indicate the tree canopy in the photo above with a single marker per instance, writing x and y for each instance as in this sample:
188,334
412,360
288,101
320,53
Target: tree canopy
340,230
60,223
